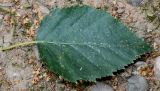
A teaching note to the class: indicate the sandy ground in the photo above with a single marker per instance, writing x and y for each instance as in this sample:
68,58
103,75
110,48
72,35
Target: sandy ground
21,69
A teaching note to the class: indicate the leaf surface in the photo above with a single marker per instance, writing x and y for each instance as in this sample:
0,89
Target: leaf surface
84,43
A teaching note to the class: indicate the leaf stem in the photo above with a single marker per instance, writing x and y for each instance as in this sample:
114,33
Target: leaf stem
20,44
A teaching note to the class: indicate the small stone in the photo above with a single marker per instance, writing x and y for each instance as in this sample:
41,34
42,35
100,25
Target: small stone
157,67
99,86
140,64
137,83
1,17
135,2
149,30
6,4
44,9
120,10
36,53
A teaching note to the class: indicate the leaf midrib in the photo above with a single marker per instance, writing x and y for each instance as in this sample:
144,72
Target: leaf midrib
92,44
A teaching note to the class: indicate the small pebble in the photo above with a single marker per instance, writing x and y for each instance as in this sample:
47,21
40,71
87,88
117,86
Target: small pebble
1,17
137,83
135,2
157,67
140,64
44,9
36,53
121,10
99,86
6,4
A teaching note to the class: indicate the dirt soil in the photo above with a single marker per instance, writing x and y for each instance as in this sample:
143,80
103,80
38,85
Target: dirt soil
21,69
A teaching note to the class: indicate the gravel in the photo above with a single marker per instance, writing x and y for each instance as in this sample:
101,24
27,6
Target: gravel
1,17
137,83
6,4
157,67
135,2
99,86
44,9
140,64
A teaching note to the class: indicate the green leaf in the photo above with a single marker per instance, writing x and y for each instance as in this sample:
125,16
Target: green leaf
84,43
